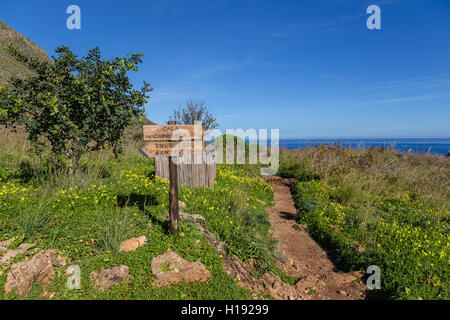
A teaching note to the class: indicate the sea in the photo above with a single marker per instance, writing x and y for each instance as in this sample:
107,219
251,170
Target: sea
440,146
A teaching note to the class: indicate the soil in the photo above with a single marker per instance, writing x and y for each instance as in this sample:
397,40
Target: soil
302,257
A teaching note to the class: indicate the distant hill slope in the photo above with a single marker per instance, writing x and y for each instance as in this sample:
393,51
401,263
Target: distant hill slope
8,65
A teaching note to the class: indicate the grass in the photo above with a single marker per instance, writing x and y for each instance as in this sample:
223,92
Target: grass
381,207
111,230
116,199
32,221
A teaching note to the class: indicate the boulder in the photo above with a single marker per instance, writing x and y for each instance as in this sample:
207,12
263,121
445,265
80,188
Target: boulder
39,269
106,278
132,244
171,268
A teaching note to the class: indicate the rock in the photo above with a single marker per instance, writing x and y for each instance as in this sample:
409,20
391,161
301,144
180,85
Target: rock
106,278
278,289
188,216
39,269
132,244
310,281
348,277
181,204
342,292
14,252
5,244
171,268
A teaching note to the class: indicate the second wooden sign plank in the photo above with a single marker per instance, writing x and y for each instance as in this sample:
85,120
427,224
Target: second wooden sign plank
172,148
172,132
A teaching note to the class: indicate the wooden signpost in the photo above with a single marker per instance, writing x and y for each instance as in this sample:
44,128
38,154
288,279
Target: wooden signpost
170,141
163,142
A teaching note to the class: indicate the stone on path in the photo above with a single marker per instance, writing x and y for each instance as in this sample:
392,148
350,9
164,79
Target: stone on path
310,282
132,244
39,269
171,268
106,278
278,289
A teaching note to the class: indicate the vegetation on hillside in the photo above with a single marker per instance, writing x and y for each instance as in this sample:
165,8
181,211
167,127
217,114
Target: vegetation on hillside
115,199
378,207
10,66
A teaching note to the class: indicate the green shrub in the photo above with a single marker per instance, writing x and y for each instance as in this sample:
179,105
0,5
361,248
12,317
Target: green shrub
297,171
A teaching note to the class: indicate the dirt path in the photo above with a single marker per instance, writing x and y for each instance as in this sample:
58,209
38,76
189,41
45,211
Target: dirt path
303,257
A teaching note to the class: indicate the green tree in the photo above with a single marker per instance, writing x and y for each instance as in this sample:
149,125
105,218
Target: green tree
194,111
75,104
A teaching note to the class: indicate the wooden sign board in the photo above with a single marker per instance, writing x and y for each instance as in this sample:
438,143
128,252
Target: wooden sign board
166,148
164,141
164,133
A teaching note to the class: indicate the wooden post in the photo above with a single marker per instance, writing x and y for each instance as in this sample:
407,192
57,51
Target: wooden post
173,197
173,193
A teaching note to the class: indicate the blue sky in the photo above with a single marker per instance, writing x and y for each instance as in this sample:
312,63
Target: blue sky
310,68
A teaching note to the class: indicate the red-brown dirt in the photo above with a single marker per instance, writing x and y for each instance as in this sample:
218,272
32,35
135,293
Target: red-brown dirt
303,257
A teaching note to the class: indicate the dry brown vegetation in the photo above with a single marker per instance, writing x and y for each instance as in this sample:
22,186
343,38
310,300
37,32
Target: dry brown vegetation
378,171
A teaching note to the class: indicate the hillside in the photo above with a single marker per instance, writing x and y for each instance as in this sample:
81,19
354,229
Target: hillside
8,65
